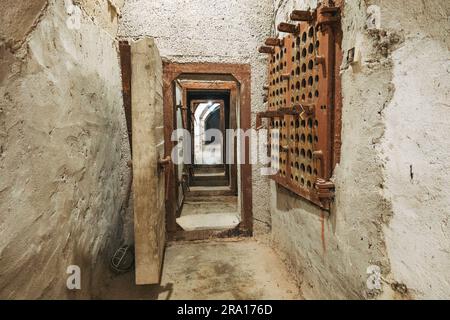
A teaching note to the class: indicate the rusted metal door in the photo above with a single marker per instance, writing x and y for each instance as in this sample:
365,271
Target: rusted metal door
303,100
149,167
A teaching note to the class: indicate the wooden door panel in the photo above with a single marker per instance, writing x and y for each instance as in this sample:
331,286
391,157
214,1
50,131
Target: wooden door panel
148,148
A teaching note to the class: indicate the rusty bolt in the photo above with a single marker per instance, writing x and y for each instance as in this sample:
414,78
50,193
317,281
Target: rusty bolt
273,42
320,60
318,154
266,49
309,109
288,27
301,15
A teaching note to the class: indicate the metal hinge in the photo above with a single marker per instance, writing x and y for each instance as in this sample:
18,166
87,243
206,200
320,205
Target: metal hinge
325,190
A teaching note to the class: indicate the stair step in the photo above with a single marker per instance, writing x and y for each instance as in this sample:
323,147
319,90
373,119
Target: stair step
208,199
209,169
209,183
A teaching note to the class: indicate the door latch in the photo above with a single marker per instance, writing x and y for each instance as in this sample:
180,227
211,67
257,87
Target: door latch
162,163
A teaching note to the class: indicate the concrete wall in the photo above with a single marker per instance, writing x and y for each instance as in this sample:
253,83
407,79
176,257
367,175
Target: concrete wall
210,31
104,13
416,147
394,116
63,149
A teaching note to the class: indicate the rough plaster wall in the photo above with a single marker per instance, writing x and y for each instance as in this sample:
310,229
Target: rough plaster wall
283,8
211,31
17,20
62,154
333,263
417,130
104,13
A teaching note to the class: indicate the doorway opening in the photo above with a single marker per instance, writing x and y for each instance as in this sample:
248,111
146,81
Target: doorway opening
211,199
211,195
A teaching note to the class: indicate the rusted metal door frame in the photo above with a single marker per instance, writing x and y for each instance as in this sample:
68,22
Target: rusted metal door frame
125,63
242,75
232,88
126,72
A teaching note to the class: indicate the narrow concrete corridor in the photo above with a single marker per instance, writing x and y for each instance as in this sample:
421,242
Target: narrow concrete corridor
221,269
206,149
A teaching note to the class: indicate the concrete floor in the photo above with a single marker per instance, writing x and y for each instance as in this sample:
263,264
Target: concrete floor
211,205
209,214
226,269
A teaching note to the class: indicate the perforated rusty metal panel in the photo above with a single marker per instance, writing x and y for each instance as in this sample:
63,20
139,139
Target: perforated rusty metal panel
279,71
300,101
